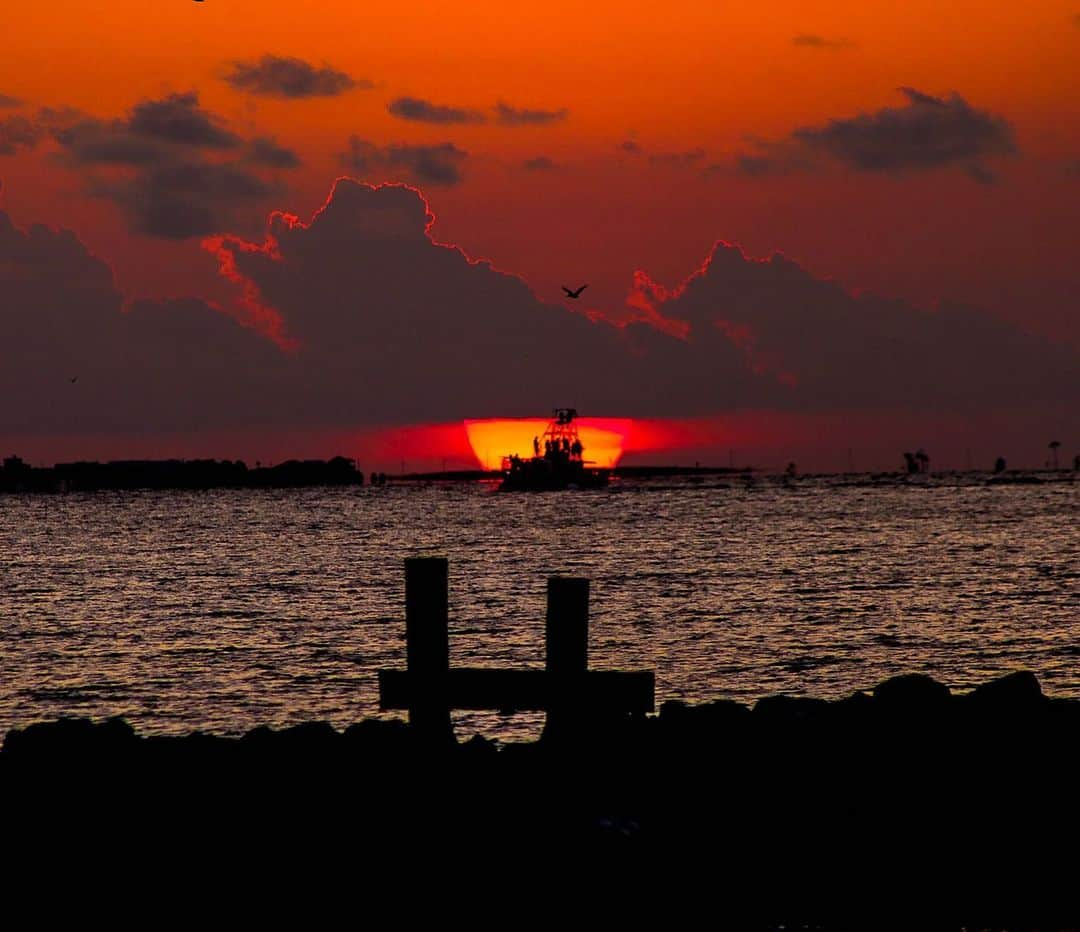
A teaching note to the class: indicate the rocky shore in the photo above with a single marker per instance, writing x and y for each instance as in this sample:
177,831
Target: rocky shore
903,804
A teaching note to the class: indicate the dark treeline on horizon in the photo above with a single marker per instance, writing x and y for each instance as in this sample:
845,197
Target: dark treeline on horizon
18,476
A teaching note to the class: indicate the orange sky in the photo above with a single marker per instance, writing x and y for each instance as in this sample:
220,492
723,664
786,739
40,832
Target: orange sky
702,75
688,75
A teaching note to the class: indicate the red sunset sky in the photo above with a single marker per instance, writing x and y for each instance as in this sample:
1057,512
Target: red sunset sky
916,166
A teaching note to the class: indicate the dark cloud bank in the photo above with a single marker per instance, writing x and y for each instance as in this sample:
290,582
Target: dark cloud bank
438,164
18,132
925,133
290,78
173,167
387,326
424,111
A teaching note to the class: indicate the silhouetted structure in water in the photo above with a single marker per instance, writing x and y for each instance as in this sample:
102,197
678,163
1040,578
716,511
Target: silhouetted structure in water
999,464
16,476
574,697
918,462
1054,445
560,467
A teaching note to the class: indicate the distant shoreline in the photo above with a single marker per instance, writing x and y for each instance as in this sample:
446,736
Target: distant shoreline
129,475
17,476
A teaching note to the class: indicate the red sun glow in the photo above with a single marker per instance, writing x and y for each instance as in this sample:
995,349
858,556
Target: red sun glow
491,439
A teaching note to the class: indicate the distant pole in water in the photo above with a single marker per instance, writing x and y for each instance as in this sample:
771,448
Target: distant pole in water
1054,444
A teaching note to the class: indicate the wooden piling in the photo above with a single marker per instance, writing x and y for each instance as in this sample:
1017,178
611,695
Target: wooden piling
575,698
567,634
427,643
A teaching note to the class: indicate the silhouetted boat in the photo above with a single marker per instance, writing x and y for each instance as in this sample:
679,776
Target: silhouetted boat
557,461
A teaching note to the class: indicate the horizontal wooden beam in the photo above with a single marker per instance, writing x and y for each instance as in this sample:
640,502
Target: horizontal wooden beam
523,690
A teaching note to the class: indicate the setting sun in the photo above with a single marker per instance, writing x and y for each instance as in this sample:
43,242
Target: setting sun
603,438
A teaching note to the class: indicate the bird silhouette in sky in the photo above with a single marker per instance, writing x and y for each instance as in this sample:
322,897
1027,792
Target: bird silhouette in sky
575,294
74,379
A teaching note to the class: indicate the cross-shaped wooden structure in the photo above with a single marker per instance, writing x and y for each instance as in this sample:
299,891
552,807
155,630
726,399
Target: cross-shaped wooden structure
566,689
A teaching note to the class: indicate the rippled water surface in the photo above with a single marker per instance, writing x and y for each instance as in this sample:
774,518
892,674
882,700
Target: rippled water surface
225,610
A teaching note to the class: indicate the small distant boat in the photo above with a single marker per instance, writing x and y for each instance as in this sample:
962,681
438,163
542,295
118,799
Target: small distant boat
557,462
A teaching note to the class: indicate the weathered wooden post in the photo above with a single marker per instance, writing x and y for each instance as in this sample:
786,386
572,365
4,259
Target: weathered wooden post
567,634
575,698
427,644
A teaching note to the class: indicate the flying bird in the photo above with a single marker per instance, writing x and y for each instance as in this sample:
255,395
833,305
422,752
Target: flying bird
575,294
74,380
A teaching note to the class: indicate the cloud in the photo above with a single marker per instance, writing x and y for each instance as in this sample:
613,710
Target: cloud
540,163
18,132
180,200
264,150
8,101
290,78
178,118
425,164
926,133
424,111
769,158
97,142
677,159
754,166
829,350
173,167
808,40
506,115
171,365
364,278
375,322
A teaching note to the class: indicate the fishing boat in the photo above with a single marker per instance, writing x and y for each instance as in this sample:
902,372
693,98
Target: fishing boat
558,461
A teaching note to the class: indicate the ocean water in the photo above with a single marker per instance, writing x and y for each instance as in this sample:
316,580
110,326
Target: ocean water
220,611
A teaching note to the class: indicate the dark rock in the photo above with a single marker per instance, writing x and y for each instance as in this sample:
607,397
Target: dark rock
912,693
789,710
70,737
1015,691
719,714
375,735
